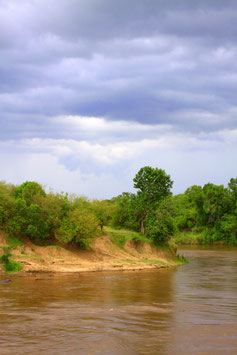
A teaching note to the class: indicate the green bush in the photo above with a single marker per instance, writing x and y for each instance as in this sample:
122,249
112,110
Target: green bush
9,265
226,230
103,211
78,227
119,237
66,232
125,213
6,254
29,191
13,266
86,224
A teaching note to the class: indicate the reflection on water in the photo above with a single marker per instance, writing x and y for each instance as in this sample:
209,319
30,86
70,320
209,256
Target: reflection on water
188,310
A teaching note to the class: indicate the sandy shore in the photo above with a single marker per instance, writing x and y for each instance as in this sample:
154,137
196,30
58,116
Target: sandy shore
103,256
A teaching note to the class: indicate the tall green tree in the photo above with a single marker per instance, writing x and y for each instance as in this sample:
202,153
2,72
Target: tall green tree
153,186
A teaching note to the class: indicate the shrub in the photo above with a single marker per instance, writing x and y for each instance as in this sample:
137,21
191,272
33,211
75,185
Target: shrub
66,232
226,230
103,210
85,222
78,227
29,191
13,266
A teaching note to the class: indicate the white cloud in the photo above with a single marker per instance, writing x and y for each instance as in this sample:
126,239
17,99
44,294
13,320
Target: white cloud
106,169
116,86
114,142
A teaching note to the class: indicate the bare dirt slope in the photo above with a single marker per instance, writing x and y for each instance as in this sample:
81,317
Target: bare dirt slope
104,255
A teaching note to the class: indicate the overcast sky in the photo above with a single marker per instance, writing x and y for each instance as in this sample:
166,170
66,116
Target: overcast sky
93,90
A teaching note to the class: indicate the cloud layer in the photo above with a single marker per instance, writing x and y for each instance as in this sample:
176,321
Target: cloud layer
100,88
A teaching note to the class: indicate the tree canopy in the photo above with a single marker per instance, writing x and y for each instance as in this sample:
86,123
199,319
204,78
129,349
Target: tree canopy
27,210
153,186
153,183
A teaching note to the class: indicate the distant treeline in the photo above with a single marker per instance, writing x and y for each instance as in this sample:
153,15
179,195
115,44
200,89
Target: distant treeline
206,214
28,211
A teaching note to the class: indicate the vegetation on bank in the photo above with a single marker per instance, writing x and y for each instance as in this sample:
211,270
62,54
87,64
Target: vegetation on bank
207,215
114,250
201,215
121,236
9,265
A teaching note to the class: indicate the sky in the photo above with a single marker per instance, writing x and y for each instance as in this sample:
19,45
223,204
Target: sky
93,90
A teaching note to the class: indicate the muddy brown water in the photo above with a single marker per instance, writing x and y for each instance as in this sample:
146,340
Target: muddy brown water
191,309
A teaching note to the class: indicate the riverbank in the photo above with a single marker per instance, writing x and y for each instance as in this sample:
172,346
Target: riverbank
106,253
197,238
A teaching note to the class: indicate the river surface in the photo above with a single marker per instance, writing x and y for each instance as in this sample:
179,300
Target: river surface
191,309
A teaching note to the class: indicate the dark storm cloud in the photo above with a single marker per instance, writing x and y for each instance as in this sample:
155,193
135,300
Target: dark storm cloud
151,61
112,19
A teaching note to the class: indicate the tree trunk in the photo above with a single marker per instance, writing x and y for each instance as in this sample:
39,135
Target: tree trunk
142,227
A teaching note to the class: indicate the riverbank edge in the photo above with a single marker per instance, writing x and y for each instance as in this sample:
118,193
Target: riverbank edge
85,271
103,256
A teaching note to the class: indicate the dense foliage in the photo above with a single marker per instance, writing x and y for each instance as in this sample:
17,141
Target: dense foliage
203,215
151,209
28,211
208,213
211,209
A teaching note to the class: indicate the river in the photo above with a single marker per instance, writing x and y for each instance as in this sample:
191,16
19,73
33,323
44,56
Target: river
191,309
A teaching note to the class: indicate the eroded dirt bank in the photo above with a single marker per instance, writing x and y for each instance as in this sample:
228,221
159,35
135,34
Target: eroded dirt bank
104,255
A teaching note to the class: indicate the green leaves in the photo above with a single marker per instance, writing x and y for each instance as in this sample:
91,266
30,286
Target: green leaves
137,211
153,184
27,210
66,232
78,227
160,224
216,211
29,191
103,210
227,230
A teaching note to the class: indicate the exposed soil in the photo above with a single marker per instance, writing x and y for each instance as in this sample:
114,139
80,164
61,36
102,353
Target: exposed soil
104,255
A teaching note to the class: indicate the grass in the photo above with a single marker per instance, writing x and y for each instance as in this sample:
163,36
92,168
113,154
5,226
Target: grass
119,237
13,266
181,259
190,238
14,242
